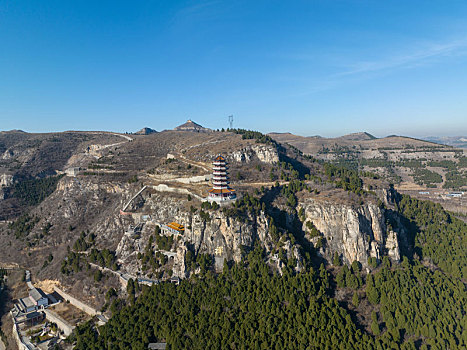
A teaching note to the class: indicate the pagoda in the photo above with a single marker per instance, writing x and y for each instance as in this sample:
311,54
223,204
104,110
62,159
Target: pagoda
220,190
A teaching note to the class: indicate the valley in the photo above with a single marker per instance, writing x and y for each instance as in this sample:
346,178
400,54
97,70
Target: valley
425,170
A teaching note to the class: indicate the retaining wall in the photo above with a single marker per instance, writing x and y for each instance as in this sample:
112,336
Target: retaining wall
61,323
75,302
165,188
19,343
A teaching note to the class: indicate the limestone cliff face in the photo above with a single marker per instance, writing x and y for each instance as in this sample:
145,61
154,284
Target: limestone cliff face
220,235
265,153
81,202
355,233
6,180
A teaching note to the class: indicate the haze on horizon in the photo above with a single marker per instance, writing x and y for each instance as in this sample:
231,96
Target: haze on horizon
306,67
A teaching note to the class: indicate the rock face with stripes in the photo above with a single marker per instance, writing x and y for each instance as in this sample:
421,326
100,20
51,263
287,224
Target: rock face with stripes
264,153
354,233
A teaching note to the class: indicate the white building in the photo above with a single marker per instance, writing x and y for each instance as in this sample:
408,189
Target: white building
455,194
72,171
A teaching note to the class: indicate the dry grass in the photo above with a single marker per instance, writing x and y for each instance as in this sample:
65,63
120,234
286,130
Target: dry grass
47,285
70,313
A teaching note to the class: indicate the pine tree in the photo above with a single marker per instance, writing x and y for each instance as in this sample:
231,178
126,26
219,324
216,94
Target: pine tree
355,299
336,260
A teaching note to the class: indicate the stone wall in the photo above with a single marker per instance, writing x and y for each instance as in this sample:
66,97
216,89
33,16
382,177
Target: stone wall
61,323
75,302
19,343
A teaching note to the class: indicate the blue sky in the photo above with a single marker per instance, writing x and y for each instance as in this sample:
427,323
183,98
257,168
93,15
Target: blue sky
308,67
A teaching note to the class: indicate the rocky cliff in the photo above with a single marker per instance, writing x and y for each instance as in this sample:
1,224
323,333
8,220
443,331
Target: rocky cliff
354,232
6,180
266,154
218,235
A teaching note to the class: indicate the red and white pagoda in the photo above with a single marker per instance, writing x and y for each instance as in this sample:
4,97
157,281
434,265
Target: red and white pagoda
220,190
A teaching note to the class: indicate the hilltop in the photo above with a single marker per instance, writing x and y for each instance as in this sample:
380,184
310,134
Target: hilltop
358,136
192,126
145,131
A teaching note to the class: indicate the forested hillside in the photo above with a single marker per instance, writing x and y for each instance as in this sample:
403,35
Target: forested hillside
245,307
438,236
250,306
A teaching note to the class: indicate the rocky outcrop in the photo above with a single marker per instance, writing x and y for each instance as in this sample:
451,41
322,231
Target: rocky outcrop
266,154
355,233
8,154
219,235
6,180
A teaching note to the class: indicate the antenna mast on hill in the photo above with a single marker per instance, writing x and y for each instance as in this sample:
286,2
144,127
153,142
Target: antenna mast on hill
231,121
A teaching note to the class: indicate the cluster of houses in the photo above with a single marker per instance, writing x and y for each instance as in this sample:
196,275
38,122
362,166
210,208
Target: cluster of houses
446,195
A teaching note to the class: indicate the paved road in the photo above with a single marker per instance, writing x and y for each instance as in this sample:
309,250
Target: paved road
28,279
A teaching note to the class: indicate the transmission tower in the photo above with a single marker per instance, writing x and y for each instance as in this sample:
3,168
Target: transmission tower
231,121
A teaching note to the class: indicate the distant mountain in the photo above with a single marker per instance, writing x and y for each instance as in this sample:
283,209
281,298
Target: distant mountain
397,159
192,126
319,146
13,131
455,141
285,135
145,131
358,136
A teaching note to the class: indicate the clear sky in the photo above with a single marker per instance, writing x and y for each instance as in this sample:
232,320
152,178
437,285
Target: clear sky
309,67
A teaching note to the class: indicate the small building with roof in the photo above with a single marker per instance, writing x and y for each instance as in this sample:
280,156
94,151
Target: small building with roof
38,297
26,305
173,228
36,300
73,171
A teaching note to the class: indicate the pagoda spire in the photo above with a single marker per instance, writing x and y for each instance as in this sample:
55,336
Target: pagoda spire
220,190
